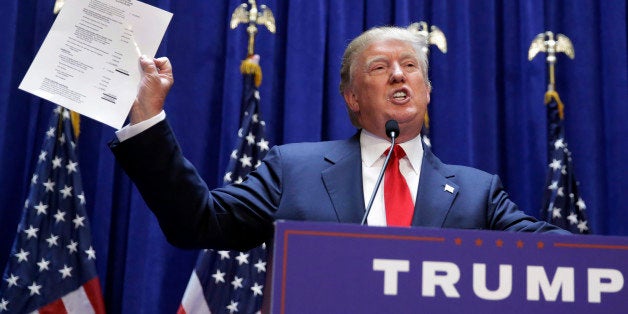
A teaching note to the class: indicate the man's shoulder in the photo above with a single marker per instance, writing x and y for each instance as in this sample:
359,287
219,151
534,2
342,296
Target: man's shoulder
312,145
317,153
467,171
452,169
317,148
460,173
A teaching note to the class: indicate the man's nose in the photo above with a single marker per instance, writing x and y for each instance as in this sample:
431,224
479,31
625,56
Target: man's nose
397,74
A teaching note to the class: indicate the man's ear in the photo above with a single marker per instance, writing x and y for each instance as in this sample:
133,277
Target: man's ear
351,100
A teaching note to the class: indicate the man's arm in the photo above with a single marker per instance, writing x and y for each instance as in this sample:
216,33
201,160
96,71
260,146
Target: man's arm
190,215
505,215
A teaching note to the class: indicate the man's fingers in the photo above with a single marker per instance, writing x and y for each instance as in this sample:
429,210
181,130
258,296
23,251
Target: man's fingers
148,65
163,64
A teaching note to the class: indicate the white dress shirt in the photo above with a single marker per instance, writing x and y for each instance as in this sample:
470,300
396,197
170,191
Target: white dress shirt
129,131
373,157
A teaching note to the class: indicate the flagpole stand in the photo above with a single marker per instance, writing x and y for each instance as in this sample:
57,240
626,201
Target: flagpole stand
562,205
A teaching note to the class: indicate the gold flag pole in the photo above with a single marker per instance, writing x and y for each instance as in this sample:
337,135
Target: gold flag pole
75,118
253,17
544,42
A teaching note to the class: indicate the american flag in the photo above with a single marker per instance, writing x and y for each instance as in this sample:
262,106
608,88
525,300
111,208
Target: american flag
562,204
230,281
52,268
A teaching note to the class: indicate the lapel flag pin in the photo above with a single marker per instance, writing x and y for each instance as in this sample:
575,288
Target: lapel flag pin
449,188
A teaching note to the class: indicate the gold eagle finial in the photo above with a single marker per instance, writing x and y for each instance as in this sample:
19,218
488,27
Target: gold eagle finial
253,17
544,42
433,36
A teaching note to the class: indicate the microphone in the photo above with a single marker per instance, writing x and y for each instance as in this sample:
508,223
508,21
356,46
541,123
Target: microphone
392,130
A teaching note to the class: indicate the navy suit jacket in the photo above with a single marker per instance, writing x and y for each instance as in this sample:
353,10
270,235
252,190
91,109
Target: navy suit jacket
319,181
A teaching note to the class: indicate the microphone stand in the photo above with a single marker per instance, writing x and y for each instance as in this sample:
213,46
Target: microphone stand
392,129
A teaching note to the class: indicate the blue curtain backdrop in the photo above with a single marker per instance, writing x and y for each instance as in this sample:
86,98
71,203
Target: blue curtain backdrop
486,110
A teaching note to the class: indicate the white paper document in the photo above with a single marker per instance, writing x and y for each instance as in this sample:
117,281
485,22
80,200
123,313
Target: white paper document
89,61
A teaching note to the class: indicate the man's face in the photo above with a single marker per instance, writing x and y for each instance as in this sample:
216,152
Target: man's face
387,83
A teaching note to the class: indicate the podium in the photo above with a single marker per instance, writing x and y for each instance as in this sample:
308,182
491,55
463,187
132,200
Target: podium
341,268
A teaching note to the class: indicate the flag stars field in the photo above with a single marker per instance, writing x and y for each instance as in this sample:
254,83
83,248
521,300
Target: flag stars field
55,185
242,258
22,256
246,161
559,210
257,289
56,163
65,271
12,280
261,266
81,198
52,240
43,264
78,221
59,216
237,282
71,166
232,307
49,185
41,208
91,254
263,145
72,247
51,132
219,276
31,232
250,138
224,255
66,191
42,156
555,165
34,288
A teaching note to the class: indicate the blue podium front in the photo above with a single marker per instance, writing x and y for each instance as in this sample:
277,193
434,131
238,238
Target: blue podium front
343,268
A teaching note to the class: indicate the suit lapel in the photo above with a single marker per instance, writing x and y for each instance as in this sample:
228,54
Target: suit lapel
343,180
436,192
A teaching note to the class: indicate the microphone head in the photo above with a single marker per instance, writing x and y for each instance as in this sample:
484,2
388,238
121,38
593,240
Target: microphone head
392,128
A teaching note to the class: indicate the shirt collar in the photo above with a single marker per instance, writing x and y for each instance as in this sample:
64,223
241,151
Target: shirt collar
373,148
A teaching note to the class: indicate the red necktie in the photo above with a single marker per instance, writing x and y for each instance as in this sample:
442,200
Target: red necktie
397,197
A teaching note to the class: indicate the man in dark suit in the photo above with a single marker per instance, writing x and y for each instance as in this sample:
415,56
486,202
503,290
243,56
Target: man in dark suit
383,77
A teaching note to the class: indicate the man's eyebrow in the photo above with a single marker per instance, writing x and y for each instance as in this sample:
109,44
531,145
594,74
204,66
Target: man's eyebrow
404,56
375,59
